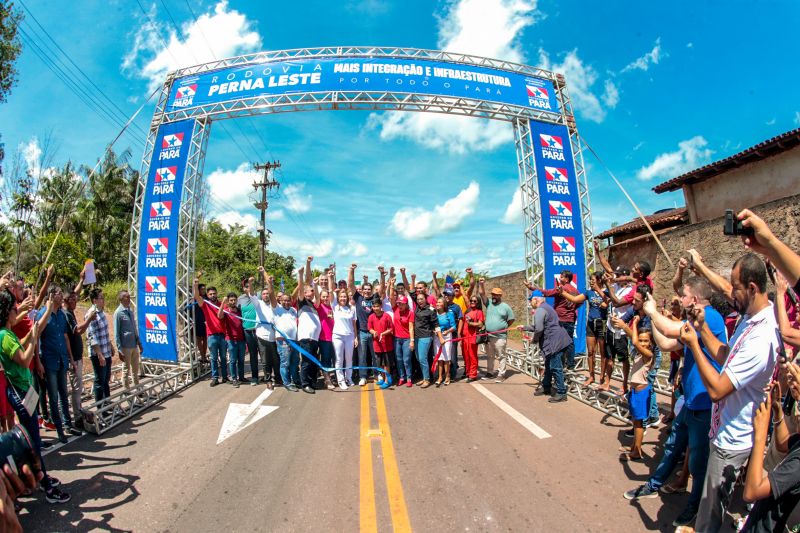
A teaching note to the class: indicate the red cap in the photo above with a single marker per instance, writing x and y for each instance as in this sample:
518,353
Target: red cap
402,300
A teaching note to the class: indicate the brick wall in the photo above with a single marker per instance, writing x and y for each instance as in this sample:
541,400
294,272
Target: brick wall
719,251
514,292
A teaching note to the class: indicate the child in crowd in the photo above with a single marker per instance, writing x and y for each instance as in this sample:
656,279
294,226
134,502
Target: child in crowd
380,327
640,390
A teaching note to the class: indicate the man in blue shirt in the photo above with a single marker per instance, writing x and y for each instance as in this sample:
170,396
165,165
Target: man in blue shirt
692,425
55,353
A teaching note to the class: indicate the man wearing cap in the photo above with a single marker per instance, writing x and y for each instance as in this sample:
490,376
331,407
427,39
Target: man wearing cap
499,317
553,341
564,308
616,340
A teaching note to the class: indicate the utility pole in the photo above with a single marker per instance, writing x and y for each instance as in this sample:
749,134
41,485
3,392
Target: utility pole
266,184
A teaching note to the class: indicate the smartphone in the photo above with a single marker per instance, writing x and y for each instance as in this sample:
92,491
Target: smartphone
734,226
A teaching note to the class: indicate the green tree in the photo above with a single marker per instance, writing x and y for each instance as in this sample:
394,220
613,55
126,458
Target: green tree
10,47
227,255
103,216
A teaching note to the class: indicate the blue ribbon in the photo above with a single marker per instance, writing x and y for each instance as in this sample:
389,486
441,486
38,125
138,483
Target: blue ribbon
385,384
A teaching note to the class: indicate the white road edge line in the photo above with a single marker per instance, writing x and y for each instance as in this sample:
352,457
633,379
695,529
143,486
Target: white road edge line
513,413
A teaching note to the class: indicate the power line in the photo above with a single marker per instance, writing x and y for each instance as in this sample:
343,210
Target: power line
121,113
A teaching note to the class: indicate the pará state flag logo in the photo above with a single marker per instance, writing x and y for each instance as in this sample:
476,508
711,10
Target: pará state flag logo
184,96
560,209
156,322
537,92
187,91
161,209
552,147
563,245
156,284
551,141
166,174
173,140
157,246
556,174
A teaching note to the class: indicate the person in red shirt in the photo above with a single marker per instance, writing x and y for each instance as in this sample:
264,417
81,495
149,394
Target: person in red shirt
381,328
403,333
565,309
215,330
230,315
473,322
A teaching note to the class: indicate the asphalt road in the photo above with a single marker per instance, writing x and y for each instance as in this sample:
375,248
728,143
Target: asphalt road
447,459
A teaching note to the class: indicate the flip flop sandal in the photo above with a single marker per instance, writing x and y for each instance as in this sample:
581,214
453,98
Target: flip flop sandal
672,489
627,457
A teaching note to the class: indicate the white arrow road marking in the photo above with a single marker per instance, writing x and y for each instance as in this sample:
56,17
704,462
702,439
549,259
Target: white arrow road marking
241,415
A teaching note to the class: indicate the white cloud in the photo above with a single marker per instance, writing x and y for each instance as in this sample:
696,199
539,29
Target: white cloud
353,249
231,218
610,94
771,121
446,262
277,214
215,35
298,248
32,155
691,154
580,81
233,186
430,251
650,58
488,28
690,45
413,223
513,214
296,201
638,145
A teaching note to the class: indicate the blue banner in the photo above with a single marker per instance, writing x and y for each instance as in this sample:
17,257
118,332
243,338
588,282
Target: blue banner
398,75
156,286
562,229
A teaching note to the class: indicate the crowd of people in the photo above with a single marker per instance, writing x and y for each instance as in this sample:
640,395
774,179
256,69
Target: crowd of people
735,381
330,333
41,362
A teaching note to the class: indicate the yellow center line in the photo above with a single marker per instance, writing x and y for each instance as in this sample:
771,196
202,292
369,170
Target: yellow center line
367,514
397,501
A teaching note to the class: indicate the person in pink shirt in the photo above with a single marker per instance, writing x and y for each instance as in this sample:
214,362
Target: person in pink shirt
403,323
326,335
230,316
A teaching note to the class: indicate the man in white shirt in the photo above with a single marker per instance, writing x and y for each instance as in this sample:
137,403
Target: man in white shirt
748,362
285,321
616,340
309,326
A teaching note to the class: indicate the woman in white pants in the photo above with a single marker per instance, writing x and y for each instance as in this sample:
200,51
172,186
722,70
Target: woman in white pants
344,337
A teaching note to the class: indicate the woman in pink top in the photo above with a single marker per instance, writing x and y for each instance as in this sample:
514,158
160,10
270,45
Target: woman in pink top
403,322
326,335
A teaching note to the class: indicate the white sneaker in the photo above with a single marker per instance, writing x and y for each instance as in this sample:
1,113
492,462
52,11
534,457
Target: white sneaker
362,382
343,386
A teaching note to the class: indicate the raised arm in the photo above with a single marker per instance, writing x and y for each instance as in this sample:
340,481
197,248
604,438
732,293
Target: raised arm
665,343
435,285
634,336
46,285
471,283
719,283
577,299
196,290
482,291
763,241
599,256
612,296
392,292
677,279
268,283
381,289
665,325
301,283
409,288
79,287
718,385
351,279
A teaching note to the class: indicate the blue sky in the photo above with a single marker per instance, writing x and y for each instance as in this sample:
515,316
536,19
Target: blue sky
659,89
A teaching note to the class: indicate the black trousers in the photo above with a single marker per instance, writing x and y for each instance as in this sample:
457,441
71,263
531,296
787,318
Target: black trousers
268,350
309,369
251,341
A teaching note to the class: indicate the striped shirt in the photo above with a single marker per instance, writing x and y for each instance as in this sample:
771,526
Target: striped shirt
97,334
